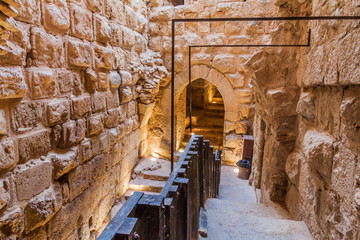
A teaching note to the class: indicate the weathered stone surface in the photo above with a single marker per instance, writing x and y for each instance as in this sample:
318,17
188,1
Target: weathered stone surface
32,179
112,99
104,58
103,81
26,116
3,123
293,166
95,124
125,94
64,162
34,145
47,50
306,106
81,22
126,78
12,84
57,111
115,80
102,29
4,194
8,154
98,101
319,152
90,80
80,106
12,222
78,181
29,11
79,54
66,80
111,118
350,113
56,16
42,82
72,133
86,151
41,208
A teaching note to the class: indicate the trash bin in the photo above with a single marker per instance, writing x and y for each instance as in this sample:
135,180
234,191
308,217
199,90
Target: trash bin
244,169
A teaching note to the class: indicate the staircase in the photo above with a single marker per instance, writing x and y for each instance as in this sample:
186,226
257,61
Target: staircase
149,176
236,215
209,122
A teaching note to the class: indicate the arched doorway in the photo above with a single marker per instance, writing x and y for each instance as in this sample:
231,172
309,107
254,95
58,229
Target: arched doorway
207,113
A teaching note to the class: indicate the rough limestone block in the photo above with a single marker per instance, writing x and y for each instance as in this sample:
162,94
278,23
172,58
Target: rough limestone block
95,5
42,208
29,11
241,128
90,80
350,115
98,102
79,54
66,80
122,112
95,124
81,22
306,106
47,50
34,145
128,37
72,133
125,94
116,34
56,16
132,107
113,136
233,141
12,84
26,116
42,82
57,111
4,193
8,154
64,162
162,14
13,222
97,168
32,179
115,80
3,123
102,29
115,10
224,63
318,150
80,107
104,141
293,166
78,181
86,151
131,18
126,78
112,99
104,58
103,81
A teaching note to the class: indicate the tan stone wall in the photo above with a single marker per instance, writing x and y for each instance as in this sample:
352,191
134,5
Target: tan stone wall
223,67
308,102
69,123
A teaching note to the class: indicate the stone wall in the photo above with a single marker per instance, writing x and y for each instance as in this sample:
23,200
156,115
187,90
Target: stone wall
307,117
223,67
69,122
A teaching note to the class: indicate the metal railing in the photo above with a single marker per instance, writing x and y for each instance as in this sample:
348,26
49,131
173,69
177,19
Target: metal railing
174,214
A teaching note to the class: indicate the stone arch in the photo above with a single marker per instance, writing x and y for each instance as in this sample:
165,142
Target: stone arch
215,77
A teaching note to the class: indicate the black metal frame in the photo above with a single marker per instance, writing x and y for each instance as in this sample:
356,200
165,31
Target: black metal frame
246,19
234,46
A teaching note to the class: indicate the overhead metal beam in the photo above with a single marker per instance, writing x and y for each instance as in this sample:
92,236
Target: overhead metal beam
245,19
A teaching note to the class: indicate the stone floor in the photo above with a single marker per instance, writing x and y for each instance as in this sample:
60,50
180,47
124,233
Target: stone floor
236,215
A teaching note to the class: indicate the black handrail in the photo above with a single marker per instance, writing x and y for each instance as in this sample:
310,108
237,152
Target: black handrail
174,214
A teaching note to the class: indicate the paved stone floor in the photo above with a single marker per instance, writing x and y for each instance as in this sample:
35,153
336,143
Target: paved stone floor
236,215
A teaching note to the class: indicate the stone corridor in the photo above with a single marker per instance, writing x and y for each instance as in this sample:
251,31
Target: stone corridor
86,90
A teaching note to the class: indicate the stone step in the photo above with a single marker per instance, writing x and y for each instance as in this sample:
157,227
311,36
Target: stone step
139,184
153,169
218,100
206,130
215,107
